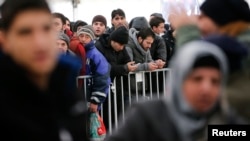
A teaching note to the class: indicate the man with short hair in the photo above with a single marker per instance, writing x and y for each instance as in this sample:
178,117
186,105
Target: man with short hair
157,24
99,24
118,18
59,22
38,92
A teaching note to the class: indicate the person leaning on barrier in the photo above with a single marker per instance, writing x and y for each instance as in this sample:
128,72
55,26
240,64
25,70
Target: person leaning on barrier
194,99
39,99
138,49
121,65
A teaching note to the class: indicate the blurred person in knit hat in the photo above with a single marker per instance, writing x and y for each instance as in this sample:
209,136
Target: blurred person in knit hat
99,24
221,17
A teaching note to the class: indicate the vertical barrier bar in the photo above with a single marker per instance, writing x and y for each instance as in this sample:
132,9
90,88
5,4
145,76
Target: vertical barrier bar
157,84
123,109
143,85
85,88
150,85
109,110
129,90
115,103
136,89
164,82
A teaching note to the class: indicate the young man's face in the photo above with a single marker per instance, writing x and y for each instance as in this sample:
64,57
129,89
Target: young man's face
146,43
201,88
62,46
67,26
118,21
99,28
58,24
84,38
206,25
31,41
159,29
117,46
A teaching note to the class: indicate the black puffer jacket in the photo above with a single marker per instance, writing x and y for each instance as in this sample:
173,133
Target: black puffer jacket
117,60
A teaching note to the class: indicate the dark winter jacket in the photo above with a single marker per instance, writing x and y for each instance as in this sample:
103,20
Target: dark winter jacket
158,49
170,43
28,113
99,68
117,60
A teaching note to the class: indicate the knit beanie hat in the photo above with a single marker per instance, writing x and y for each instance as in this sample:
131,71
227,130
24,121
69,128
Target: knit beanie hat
64,37
223,12
87,29
120,35
100,18
77,24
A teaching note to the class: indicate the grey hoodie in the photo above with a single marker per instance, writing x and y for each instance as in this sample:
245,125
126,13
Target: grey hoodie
135,51
180,110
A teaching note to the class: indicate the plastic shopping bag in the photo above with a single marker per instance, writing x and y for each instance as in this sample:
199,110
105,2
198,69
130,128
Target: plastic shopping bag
97,130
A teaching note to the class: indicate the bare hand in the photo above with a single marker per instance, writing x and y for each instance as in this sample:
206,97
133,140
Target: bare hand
93,107
152,66
131,66
160,63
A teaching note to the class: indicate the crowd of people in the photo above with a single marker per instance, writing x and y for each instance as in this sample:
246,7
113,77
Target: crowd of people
42,53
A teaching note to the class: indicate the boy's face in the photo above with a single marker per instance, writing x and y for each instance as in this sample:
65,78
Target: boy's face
202,87
99,28
118,21
62,46
31,41
84,38
159,29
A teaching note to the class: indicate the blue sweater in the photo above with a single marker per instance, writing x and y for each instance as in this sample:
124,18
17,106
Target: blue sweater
99,68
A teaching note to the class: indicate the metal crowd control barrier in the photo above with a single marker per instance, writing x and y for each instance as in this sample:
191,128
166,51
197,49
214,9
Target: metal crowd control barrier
125,90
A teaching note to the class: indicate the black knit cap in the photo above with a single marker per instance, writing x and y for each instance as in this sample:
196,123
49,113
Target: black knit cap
120,35
223,12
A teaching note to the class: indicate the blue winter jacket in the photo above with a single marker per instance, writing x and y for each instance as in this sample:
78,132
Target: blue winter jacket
99,68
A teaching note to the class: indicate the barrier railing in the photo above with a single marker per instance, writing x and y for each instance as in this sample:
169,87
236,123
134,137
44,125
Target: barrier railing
125,90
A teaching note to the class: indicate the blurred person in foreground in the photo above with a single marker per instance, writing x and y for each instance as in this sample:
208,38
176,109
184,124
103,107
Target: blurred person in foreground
222,17
39,99
194,99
